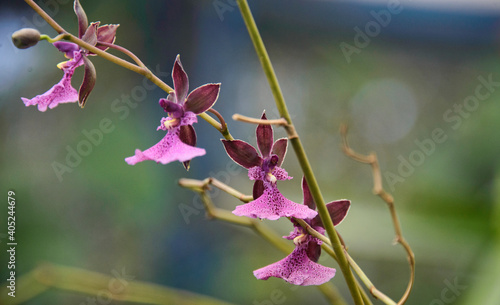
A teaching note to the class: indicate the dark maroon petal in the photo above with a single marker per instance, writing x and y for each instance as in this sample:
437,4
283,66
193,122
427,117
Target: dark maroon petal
308,200
313,251
181,81
264,137
202,98
279,149
88,83
82,18
90,35
338,211
242,153
106,33
258,189
187,136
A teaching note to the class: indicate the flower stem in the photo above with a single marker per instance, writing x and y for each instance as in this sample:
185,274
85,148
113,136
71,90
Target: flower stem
223,126
124,51
299,150
114,59
378,189
140,68
52,40
242,118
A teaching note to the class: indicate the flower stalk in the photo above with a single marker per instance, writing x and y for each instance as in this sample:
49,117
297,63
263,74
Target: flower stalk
379,190
299,149
201,186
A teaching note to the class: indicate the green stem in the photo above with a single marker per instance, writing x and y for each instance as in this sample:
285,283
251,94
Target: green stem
299,150
93,284
52,40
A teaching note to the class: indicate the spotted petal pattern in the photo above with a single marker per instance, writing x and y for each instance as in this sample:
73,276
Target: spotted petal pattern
60,93
169,149
297,268
272,205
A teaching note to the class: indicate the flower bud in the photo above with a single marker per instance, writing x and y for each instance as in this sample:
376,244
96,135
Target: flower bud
25,38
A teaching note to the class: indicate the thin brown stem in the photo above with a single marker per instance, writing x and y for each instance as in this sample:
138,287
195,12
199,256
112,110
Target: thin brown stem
231,191
378,189
223,129
290,130
75,280
45,16
242,118
124,51
200,185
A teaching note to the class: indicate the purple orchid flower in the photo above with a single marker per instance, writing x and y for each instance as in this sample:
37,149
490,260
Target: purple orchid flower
301,267
265,170
63,92
180,140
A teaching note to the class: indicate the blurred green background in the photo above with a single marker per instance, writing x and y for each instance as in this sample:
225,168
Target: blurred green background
417,73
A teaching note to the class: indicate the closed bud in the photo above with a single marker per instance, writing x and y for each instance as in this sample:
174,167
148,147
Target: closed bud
25,38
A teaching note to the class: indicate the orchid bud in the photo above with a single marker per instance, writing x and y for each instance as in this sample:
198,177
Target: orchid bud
25,38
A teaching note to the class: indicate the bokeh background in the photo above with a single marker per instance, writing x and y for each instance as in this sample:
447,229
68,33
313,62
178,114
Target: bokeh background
419,72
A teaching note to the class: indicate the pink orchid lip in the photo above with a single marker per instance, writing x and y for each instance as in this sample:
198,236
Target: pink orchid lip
272,205
169,149
297,268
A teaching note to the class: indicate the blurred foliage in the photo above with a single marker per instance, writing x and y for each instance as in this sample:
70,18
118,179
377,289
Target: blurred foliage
106,215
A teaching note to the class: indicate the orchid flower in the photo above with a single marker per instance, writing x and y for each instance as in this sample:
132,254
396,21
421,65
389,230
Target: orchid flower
180,140
301,267
63,92
265,170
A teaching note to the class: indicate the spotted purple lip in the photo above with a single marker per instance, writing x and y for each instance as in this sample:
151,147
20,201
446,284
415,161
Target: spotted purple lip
63,91
182,108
